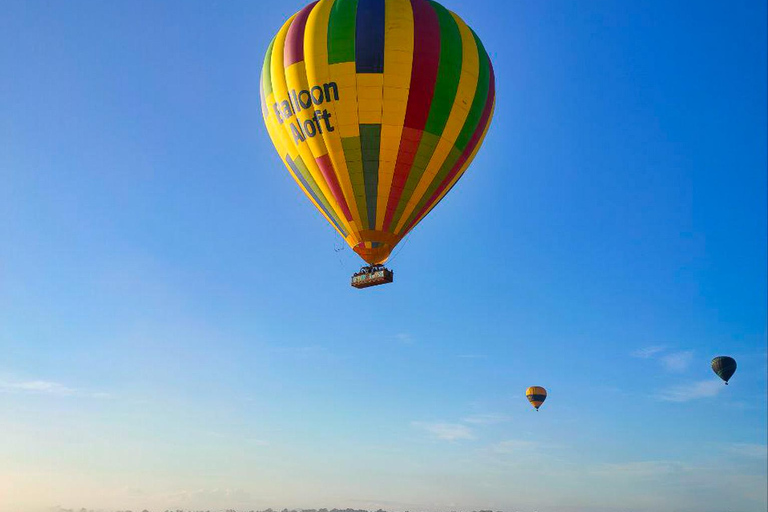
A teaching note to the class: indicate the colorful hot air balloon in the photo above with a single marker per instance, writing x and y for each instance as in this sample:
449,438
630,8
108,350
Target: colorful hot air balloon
536,395
724,367
376,107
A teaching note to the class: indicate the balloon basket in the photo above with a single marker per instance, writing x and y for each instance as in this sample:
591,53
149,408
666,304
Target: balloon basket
374,275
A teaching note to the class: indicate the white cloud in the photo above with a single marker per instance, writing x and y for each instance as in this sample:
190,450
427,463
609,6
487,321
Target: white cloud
44,387
671,361
404,338
515,446
753,451
692,391
642,469
302,351
486,419
677,361
446,431
648,352
36,386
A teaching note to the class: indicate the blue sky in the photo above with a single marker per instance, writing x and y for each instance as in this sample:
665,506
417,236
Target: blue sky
176,324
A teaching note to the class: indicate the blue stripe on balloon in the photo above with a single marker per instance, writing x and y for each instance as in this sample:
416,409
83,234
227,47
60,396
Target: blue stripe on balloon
369,36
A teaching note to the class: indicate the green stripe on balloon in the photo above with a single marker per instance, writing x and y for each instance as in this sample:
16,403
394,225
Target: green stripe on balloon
449,71
353,154
266,70
370,142
478,103
341,31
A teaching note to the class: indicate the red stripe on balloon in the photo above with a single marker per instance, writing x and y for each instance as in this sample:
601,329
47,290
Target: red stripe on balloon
473,142
326,168
409,144
426,60
294,40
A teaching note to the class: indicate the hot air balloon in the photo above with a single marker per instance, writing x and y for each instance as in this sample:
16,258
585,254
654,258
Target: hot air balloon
536,395
377,108
724,367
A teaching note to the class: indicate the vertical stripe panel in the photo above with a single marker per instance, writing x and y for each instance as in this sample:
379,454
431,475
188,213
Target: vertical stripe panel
459,112
449,71
398,61
326,169
447,83
318,73
369,97
290,127
426,59
341,32
294,40
266,70
308,123
343,71
369,36
479,102
353,153
370,137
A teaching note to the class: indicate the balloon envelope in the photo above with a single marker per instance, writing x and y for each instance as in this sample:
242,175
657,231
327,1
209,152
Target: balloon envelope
724,367
376,107
536,395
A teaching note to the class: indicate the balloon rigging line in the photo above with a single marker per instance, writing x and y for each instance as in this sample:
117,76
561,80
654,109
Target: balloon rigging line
397,253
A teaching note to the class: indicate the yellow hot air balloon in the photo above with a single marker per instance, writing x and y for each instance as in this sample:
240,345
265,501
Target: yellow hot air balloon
377,108
536,395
